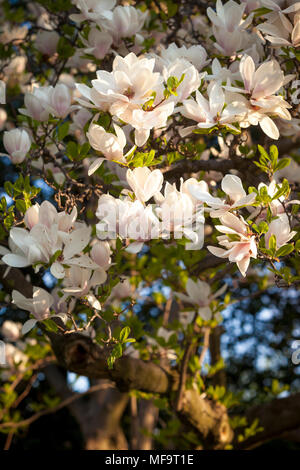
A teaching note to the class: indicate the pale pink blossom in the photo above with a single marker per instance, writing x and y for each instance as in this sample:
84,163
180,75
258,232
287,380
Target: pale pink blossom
280,227
17,143
46,42
236,196
91,9
109,144
34,107
122,22
199,294
238,242
98,43
144,182
229,26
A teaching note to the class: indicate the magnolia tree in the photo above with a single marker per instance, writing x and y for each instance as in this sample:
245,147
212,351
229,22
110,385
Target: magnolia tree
166,135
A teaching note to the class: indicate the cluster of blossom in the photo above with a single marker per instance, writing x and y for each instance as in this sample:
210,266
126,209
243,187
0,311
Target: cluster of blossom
175,212
55,240
238,239
244,87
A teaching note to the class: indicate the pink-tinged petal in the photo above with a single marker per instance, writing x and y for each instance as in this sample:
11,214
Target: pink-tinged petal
243,265
216,99
98,277
269,127
217,251
153,184
247,69
94,303
234,222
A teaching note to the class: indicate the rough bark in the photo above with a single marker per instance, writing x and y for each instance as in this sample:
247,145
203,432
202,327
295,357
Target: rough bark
80,354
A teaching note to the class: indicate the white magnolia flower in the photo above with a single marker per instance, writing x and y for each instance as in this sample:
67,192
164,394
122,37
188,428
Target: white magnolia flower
122,22
199,294
46,42
190,83
17,143
126,93
73,244
2,92
79,281
34,107
229,26
144,182
50,233
196,55
98,43
238,241
128,219
236,196
47,215
130,84
261,86
39,306
11,330
280,227
181,214
109,144
222,74
212,112
91,9
56,100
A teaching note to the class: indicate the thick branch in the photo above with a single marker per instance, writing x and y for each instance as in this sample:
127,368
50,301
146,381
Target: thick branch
276,417
80,354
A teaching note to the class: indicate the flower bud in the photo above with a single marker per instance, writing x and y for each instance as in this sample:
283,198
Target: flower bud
17,143
100,254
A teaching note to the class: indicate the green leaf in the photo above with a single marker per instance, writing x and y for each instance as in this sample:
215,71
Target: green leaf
63,130
272,242
21,205
285,250
125,332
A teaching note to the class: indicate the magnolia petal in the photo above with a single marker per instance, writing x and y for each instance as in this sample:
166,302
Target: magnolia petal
28,325
205,313
269,127
134,247
15,261
95,165
76,242
57,270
